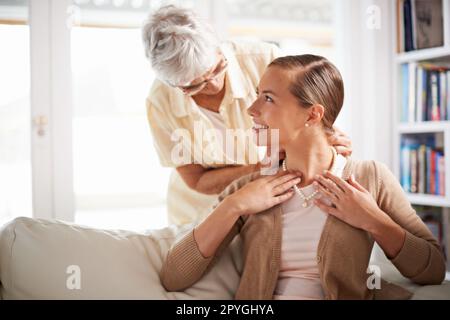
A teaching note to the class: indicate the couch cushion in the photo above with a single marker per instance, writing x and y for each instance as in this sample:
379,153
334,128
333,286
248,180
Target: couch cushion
36,256
390,274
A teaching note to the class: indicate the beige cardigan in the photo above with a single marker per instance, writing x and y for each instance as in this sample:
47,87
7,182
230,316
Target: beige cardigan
343,252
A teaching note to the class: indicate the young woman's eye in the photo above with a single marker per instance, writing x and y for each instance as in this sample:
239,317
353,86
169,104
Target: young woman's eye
268,99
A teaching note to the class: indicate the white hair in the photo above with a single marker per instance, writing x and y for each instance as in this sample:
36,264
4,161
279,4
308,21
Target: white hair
180,46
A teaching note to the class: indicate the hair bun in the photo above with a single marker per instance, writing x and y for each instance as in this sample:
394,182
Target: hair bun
178,30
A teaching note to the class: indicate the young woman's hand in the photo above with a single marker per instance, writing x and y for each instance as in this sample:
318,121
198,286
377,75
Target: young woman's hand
341,142
264,193
353,204
350,202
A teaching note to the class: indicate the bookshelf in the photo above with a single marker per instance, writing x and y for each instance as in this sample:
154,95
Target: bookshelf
421,138
423,54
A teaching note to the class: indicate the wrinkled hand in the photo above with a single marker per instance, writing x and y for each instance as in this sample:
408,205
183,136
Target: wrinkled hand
264,193
341,142
351,202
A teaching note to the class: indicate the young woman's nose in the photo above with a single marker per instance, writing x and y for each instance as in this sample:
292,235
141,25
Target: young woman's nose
253,110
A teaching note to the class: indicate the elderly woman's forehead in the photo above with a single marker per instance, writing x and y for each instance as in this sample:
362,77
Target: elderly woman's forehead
208,72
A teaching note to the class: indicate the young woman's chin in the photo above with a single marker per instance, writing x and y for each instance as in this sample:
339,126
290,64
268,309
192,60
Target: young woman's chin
260,137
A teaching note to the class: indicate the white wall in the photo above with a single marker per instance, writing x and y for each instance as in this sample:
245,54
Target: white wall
365,49
364,46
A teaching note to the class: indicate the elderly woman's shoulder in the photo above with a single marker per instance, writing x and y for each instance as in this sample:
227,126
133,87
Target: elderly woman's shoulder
251,47
160,95
158,89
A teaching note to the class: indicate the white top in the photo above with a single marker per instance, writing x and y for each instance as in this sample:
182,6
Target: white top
216,119
221,129
302,227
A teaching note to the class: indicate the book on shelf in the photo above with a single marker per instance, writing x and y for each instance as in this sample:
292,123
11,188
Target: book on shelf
422,164
419,24
407,16
425,91
400,29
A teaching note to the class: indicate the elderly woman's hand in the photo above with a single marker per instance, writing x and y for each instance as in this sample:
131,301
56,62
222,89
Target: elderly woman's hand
350,202
341,142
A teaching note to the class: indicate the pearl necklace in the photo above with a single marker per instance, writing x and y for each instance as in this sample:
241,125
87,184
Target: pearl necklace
306,199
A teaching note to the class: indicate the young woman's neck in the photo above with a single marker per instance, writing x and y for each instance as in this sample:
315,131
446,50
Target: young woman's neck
309,158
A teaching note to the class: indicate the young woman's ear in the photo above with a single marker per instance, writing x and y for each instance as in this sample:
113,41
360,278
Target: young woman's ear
316,113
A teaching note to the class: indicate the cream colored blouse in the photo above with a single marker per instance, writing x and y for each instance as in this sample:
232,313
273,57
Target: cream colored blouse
180,129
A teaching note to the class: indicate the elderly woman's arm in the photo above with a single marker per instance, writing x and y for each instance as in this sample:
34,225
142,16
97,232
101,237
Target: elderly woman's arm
213,180
391,221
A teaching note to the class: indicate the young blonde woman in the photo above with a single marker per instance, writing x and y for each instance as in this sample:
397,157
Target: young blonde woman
309,230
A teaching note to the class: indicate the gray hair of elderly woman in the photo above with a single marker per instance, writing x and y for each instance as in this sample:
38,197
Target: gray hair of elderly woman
180,46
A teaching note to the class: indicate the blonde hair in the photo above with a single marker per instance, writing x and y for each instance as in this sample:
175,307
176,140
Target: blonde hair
316,81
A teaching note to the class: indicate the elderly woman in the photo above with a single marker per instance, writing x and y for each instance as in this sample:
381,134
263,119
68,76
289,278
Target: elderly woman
308,231
203,89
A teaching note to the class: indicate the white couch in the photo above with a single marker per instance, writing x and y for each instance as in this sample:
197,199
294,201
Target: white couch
42,259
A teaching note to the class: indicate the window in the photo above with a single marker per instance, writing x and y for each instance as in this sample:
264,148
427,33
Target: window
118,181
15,156
298,27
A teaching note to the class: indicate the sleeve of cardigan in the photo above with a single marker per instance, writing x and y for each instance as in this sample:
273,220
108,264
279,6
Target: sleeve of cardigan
184,264
420,258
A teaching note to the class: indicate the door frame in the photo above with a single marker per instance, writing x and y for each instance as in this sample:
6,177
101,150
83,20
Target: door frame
51,110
